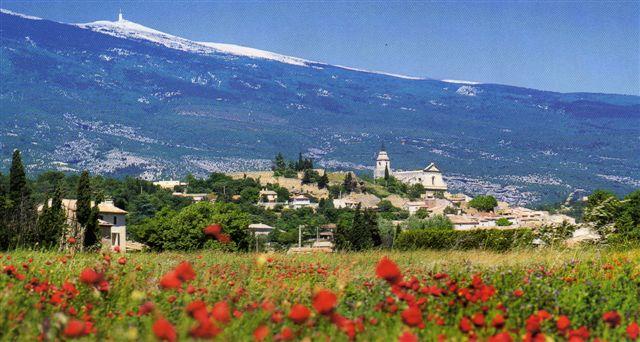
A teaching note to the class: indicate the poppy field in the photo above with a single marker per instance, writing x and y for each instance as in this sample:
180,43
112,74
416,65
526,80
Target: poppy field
538,295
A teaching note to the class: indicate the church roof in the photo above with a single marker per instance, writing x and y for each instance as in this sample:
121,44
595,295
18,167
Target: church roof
431,168
383,155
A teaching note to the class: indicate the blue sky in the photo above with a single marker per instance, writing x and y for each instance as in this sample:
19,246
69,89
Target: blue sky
563,46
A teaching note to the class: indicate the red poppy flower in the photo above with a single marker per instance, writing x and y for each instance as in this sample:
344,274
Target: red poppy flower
500,337
170,281
465,325
224,238
205,330
407,337
498,321
633,331
563,323
71,240
299,313
145,308
198,310
324,301
213,230
388,270
221,312
75,328
532,324
612,318
122,260
185,272
412,316
286,334
164,330
261,333
89,276
518,293
580,334
478,319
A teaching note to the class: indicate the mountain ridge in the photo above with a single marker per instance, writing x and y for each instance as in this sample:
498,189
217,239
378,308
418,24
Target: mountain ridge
73,98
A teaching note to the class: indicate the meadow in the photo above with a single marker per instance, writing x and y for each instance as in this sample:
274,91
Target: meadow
577,294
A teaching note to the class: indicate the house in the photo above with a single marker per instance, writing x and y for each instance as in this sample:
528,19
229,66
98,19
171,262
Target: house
112,221
260,228
463,222
268,196
348,203
413,207
169,184
196,197
430,177
299,201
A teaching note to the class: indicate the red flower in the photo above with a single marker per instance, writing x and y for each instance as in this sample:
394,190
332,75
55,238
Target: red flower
71,240
501,337
533,324
407,337
518,293
198,310
563,323
465,325
145,308
324,301
299,313
122,260
221,312
205,330
213,230
286,334
579,334
612,318
388,270
170,281
75,329
478,319
185,272
498,321
412,316
261,333
633,331
89,276
224,238
164,330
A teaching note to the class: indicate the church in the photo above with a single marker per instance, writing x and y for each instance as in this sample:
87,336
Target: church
430,177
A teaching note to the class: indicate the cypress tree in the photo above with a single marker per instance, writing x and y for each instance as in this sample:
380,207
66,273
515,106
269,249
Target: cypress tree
21,210
386,173
323,181
371,222
86,216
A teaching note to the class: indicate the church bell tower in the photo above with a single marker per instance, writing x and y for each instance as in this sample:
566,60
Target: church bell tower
382,163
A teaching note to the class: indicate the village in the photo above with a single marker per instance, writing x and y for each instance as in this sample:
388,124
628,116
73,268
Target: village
435,199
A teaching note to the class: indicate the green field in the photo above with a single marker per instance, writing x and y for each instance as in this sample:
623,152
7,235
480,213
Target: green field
260,290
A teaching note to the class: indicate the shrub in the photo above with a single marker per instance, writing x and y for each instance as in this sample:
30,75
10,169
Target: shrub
483,203
490,239
503,222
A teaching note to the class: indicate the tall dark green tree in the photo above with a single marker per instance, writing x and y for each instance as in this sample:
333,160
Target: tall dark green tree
386,173
86,216
3,213
349,183
21,209
359,234
371,224
323,181
52,220
307,177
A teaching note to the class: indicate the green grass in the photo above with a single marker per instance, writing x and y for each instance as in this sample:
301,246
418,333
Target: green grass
582,284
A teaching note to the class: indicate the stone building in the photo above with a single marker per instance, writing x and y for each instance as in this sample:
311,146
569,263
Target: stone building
430,177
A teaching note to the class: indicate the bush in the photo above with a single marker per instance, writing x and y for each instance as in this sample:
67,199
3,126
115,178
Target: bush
503,222
490,239
483,203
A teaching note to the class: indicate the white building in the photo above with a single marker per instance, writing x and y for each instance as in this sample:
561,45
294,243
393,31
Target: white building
260,228
299,201
111,220
430,177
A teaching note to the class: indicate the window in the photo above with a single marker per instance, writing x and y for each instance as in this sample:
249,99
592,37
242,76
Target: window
115,219
433,180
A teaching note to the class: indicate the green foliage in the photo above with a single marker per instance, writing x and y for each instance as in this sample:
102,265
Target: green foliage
483,203
554,235
503,222
489,239
349,184
415,191
51,223
440,222
183,230
422,213
449,210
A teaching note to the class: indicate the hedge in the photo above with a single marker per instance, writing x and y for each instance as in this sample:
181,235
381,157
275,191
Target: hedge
489,239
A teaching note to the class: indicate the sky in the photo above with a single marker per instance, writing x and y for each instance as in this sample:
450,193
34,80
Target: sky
565,46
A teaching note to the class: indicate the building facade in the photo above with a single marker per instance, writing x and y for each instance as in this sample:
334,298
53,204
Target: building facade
430,177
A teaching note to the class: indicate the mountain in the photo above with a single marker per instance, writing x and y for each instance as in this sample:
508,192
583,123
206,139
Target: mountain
119,98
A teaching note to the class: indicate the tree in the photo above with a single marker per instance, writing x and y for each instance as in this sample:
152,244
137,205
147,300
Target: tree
279,163
386,173
307,177
628,220
323,181
349,184
86,215
21,208
601,210
503,222
371,223
483,203
52,220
